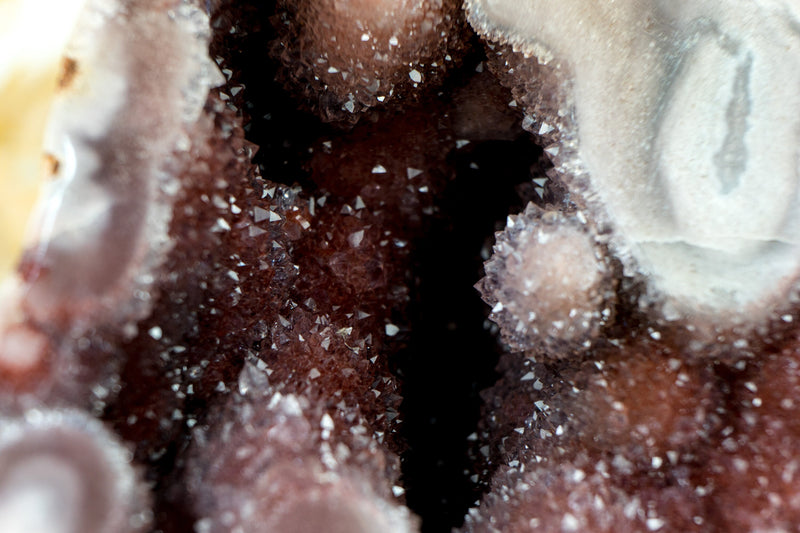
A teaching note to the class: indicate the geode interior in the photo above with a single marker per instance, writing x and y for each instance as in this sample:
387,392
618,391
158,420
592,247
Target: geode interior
699,185
255,257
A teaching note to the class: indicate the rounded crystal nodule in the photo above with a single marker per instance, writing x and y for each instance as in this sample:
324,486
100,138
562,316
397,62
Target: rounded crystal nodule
550,281
352,56
62,471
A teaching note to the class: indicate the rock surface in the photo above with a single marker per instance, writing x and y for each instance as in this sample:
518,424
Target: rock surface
251,284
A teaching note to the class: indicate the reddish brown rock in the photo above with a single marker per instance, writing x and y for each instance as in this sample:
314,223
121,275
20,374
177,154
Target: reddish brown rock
346,57
644,402
323,353
639,437
226,278
752,478
275,461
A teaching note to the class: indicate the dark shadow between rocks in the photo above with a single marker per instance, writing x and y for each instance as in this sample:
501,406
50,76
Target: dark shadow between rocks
452,351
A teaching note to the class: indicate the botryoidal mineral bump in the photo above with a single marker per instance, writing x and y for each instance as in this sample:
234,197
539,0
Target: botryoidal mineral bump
282,462
661,199
347,57
63,471
550,281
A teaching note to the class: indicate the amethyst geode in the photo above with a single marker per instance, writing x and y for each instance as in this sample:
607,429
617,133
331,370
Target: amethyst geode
237,330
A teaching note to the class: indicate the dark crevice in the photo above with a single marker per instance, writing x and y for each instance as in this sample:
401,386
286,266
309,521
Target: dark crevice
273,121
452,354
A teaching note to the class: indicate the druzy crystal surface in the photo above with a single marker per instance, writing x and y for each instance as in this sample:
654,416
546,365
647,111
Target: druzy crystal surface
654,115
247,304
346,57
549,281
676,130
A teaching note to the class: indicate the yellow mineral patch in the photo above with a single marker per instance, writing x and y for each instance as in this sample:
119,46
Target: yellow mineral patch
33,35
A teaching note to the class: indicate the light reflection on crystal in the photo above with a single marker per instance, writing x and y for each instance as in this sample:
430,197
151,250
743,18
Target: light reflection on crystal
259,333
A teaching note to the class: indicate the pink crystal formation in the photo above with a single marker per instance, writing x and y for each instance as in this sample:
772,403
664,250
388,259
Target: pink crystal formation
669,405
237,333
347,57
63,471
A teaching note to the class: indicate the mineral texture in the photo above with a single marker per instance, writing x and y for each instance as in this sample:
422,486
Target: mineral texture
346,57
638,438
62,471
655,388
101,234
670,121
244,260
550,281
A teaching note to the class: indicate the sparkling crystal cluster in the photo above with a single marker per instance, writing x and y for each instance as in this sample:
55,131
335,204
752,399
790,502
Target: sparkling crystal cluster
638,438
62,470
169,276
346,57
208,324
550,281
696,206
653,115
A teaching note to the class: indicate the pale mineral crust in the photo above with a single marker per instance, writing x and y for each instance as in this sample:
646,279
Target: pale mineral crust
100,236
63,471
662,114
117,141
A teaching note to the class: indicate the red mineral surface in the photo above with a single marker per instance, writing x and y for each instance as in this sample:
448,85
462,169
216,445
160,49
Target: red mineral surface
346,57
637,438
316,390
256,257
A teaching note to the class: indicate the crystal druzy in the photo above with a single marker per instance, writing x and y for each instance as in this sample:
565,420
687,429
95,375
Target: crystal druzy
206,328
346,57
672,126
675,125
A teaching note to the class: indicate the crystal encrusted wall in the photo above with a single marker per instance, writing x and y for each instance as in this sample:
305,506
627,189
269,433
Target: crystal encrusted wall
246,302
